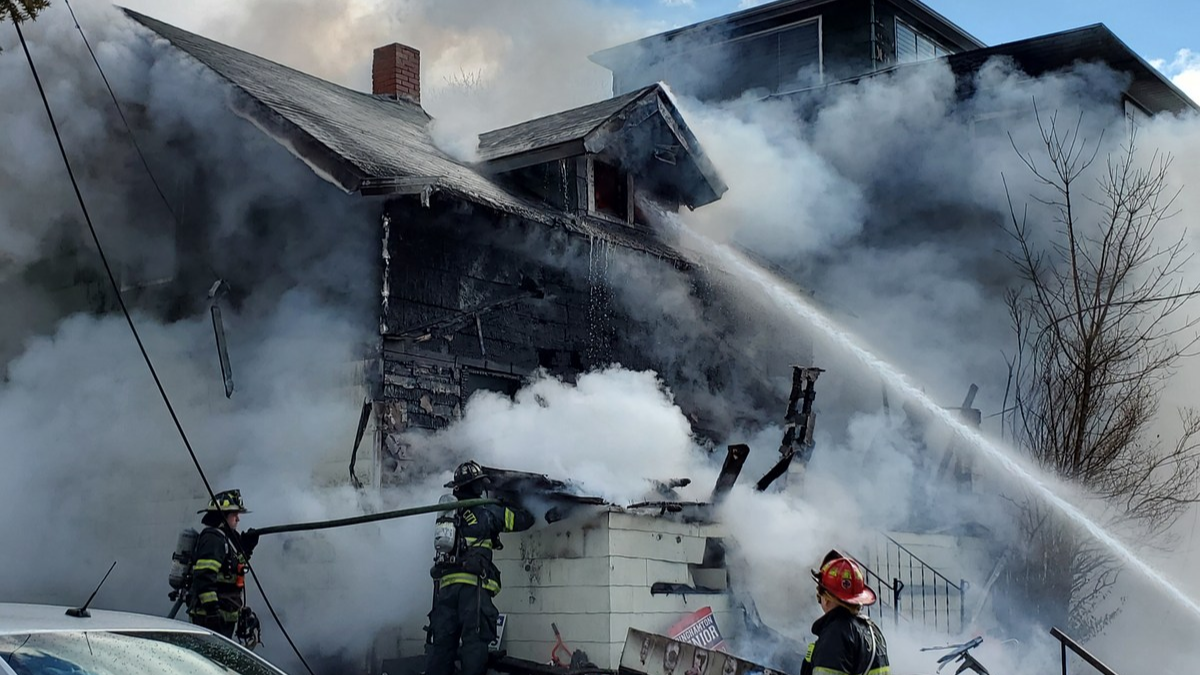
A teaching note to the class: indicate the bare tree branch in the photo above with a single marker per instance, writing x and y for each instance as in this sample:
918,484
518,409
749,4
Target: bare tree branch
1098,332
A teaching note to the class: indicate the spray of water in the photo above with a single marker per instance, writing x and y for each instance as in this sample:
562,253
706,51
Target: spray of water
733,262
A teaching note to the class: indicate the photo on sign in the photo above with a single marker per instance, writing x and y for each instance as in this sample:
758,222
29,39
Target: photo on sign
647,645
671,657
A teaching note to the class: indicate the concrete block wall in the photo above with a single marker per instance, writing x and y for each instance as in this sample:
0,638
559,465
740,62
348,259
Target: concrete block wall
592,578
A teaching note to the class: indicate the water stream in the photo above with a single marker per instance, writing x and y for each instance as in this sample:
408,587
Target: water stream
735,263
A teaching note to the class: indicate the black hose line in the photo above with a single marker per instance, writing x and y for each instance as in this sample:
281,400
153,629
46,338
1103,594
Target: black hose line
370,518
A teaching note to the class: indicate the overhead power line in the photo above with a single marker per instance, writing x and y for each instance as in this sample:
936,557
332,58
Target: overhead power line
116,288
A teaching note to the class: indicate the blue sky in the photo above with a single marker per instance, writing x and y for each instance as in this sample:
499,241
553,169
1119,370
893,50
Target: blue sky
1156,29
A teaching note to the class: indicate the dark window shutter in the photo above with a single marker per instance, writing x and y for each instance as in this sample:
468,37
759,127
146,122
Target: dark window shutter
906,44
799,53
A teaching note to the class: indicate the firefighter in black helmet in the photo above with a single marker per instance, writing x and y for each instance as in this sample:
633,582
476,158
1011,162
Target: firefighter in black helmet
218,592
463,618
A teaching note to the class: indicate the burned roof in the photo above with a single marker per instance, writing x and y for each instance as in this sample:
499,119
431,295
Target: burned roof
1089,44
552,130
363,143
754,19
370,144
642,128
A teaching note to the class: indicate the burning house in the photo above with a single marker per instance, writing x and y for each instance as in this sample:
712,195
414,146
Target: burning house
458,311
482,273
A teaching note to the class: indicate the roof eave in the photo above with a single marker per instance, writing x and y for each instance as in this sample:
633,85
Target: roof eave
320,158
1155,72
695,151
1007,49
620,55
521,160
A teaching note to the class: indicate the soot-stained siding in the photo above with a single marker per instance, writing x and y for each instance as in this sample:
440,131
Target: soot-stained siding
479,303
471,306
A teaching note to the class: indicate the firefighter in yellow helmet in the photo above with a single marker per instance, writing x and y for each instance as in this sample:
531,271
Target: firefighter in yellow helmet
218,592
848,642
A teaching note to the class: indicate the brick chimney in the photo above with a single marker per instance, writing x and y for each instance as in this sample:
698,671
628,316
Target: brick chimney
396,72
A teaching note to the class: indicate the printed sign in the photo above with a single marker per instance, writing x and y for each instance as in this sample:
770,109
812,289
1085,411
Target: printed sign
650,654
494,645
699,628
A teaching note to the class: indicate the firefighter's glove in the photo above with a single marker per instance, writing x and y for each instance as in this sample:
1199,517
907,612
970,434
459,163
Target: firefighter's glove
250,540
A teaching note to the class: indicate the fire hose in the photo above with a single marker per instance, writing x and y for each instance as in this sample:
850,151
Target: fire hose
373,517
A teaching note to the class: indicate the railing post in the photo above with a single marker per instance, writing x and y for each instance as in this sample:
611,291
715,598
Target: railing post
1064,658
962,604
897,586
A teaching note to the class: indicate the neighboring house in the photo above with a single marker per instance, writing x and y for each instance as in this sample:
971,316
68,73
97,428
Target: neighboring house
793,46
785,46
797,50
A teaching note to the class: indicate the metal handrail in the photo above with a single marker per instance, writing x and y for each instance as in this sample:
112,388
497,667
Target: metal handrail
936,573
931,592
1068,643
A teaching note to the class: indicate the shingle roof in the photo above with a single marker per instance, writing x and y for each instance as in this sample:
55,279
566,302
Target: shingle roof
357,138
589,129
570,125
1095,43
370,144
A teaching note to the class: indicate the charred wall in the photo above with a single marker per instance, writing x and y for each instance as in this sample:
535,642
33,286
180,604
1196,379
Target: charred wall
471,306
478,302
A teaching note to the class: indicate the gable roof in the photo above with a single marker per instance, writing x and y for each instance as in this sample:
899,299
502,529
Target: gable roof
605,126
361,143
551,130
1095,43
370,144
615,58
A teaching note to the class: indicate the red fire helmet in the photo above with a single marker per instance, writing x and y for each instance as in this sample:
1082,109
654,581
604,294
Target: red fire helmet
845,580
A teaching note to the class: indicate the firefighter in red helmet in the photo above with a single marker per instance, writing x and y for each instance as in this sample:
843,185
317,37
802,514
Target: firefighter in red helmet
848,642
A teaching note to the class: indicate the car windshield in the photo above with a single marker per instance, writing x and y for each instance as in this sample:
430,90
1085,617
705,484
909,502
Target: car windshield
128,653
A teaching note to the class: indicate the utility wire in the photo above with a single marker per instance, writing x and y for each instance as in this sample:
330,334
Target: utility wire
129,317
128,127
132,136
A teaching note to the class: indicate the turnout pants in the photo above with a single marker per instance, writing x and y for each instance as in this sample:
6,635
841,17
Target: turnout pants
462,622
216,624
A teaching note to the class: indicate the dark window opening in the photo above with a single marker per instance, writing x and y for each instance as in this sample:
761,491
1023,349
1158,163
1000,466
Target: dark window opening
559,360
612,190
503,384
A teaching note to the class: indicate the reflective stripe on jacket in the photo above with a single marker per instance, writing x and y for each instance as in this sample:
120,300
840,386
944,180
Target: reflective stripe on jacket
481,527
217,576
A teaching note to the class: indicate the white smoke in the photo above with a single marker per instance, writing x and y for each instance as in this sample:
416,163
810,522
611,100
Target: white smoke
895,156
611,432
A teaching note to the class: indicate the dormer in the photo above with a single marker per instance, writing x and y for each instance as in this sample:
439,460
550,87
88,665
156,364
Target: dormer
593,160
